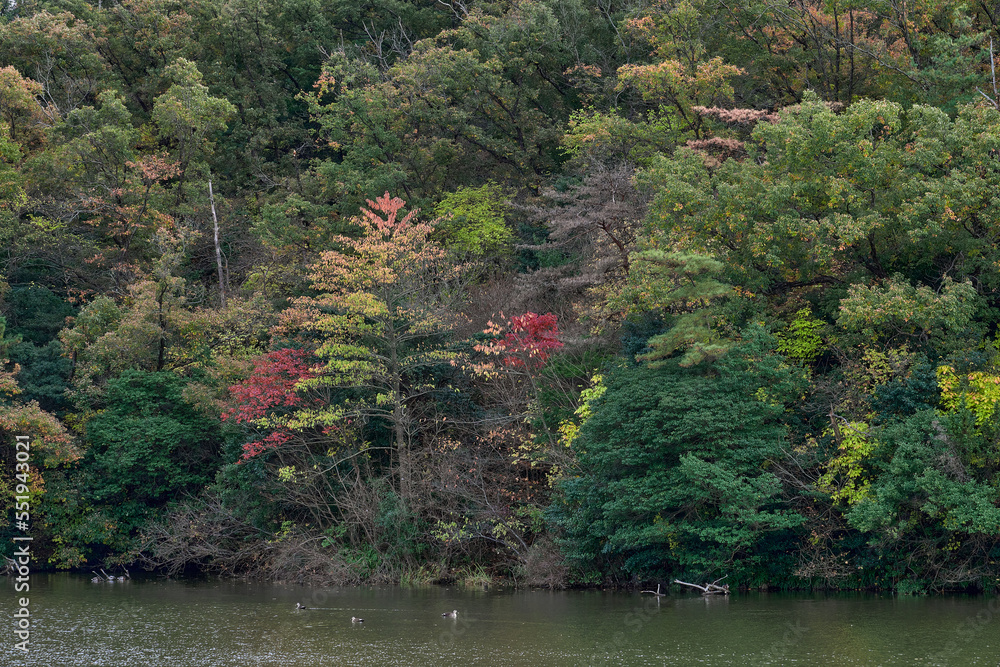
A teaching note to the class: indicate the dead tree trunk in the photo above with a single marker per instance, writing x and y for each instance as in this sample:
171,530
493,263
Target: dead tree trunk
218,249
708,589
657,592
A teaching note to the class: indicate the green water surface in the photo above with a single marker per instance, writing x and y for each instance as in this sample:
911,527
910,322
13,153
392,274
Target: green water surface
224,623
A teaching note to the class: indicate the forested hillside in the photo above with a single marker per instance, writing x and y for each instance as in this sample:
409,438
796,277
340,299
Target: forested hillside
558,292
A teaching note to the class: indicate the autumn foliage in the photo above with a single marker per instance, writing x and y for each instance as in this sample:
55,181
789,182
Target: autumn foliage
740,259
270,387
525,341
531,340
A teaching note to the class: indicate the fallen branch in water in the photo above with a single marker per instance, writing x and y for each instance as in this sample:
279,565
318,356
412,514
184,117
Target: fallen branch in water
708,589
657,592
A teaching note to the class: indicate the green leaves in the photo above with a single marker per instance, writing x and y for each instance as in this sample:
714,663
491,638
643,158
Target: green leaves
829,199
187,116
802,341
923,497
472,221
148,443
481,102
683,285
674,472
895,309
144,449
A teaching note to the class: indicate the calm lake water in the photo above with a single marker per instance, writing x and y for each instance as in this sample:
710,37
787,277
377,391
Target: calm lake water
222,623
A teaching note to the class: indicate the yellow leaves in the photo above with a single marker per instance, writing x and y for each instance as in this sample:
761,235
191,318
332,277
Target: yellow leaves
845,478
954,541
484,371
569,430
948,384
977,392
673,82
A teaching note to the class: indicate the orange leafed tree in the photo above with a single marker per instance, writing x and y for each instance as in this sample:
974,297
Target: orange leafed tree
382,318
24,117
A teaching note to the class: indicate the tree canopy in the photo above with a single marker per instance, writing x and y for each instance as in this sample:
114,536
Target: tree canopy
553,291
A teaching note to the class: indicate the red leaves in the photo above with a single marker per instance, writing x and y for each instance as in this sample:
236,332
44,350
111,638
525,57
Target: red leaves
270,386
531,339
272,441
528,342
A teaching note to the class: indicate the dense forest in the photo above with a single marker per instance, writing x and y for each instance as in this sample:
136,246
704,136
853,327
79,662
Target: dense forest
552,292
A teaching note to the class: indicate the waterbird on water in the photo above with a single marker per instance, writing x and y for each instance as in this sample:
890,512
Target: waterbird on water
355,619
299,605
451,614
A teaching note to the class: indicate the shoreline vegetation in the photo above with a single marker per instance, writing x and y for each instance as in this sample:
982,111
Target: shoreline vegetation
549,293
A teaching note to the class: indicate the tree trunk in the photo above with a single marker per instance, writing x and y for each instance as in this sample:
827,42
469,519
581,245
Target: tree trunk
218,250
399,413
708,589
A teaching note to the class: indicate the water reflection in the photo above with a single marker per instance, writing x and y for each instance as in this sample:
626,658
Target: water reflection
194,624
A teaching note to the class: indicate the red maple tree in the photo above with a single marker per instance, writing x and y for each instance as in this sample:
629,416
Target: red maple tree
270,387
531,340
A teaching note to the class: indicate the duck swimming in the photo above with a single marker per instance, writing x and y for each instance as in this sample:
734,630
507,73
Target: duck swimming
355,619
451,614
299,605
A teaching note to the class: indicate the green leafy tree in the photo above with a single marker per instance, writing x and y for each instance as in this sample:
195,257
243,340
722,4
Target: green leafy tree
187,117
674,476
898,311
481,102
828,199
37,315
803,339
59,52
925,51
929,503
149,443
683,73
99,195
145,448
684,288
24,118
358,122
151,330
11,189
139,40
51,448
472,221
